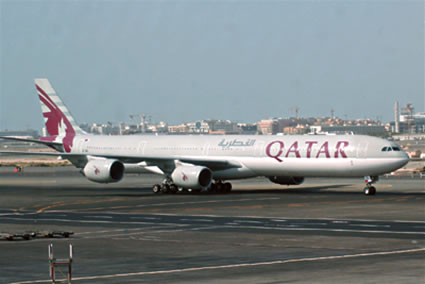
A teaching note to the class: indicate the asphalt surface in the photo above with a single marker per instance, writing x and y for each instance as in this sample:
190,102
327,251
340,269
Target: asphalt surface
324,231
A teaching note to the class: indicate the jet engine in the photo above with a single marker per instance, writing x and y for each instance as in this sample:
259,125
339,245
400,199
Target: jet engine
194,177
287,180
104,171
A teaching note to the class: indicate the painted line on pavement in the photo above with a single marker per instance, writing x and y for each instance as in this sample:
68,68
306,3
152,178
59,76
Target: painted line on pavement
230,266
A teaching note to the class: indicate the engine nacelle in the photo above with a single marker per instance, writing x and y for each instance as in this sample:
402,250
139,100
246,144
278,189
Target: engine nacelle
194,177
287,180
104,171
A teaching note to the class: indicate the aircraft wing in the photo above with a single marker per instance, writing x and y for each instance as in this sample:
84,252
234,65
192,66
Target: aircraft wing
52,144
213,164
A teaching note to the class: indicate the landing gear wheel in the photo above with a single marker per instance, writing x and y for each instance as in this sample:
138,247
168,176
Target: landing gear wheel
219,187
213,188
366,191
370,190
174,188
165,188
227,187
156,188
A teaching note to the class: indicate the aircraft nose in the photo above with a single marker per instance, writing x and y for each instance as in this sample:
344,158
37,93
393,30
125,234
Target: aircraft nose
404,158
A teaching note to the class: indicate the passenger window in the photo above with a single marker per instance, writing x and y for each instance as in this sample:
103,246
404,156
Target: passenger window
384,149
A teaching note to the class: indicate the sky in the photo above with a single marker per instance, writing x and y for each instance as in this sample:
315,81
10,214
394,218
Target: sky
183,61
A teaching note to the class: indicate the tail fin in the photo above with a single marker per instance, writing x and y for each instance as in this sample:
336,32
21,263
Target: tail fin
59,121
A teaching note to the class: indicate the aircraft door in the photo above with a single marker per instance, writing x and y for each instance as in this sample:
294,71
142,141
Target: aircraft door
79,146
141,147
206,149
362,149
259,149
82,145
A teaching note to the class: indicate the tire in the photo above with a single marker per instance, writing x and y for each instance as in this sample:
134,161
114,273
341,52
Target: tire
227,187
213,188
174,188
219,187
366,191
372,190
156,188
165,188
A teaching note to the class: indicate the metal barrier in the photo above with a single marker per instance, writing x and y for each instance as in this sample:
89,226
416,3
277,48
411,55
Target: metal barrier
57,263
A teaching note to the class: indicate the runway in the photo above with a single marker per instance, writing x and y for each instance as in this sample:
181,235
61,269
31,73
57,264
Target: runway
322,231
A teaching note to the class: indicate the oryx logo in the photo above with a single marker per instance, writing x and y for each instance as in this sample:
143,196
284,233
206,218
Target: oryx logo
57,124
96,170
184,177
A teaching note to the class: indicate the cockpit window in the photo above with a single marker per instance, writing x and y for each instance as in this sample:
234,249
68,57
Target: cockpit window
387,149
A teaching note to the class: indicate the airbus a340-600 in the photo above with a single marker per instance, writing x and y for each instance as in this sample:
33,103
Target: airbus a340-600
208,162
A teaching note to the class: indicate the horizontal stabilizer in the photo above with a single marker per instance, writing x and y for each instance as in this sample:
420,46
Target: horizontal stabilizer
47,143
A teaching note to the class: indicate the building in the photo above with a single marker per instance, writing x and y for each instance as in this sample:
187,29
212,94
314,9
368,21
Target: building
268,127
222,126
299,129
408,121
375,130
176,129
247,128
200,127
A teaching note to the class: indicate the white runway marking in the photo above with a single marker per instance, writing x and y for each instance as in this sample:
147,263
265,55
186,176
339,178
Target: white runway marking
367,225
207,201
247,221
104,217
146,218
83,221
274,218
297,228
230,266
108,231
173,203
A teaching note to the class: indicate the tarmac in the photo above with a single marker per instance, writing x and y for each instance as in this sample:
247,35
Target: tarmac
323,231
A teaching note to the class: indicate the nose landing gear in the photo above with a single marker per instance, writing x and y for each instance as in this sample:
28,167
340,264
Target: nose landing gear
370,189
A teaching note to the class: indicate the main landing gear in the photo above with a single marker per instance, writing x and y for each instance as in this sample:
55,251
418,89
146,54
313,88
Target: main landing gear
167,186
370,189
220,187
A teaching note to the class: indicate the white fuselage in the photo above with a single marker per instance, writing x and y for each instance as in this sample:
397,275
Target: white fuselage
297,155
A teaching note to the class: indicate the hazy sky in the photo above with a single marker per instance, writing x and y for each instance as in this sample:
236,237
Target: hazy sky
182,61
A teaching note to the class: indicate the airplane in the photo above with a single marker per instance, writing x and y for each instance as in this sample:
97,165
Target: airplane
195,163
